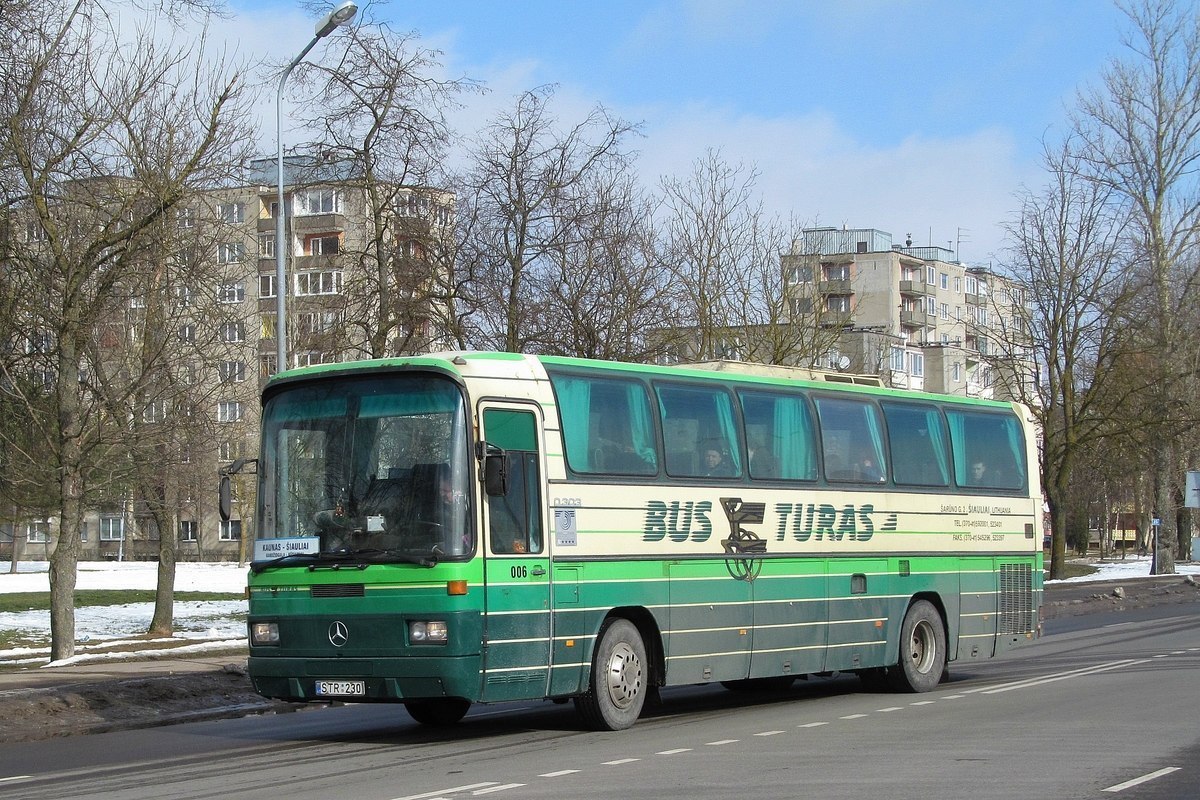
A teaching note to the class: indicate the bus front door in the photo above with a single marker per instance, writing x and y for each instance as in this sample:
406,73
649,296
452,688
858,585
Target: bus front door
517,620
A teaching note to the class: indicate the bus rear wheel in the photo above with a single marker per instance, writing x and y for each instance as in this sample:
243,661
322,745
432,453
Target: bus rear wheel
922,650
617,687
438,712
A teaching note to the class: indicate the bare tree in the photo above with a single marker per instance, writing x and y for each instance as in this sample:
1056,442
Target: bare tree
103,137
521,200
1068,255
377,108
1138,134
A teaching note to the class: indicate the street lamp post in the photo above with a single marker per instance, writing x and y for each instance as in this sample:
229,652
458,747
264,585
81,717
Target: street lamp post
339,16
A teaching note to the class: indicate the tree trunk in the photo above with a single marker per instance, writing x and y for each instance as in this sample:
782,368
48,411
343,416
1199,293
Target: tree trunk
163,621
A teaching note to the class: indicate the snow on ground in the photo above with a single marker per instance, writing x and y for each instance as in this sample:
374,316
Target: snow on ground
219,625
214,625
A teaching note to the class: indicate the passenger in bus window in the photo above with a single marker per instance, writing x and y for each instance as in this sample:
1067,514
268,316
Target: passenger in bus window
868,471
979,473
715,464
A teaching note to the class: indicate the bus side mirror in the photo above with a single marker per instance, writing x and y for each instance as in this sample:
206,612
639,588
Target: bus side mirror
495,473
224,498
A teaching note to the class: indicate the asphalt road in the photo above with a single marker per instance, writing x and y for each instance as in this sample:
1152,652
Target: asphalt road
1099,703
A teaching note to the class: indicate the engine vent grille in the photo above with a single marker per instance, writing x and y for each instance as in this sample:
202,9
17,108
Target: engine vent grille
1017,614
338,590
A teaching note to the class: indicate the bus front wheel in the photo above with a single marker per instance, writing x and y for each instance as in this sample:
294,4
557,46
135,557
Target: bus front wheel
617,687
922,650
438,712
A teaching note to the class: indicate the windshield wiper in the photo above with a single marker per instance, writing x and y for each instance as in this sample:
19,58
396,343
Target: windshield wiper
405,556
258,567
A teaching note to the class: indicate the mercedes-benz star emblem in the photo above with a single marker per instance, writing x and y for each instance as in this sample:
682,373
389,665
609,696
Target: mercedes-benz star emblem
338,634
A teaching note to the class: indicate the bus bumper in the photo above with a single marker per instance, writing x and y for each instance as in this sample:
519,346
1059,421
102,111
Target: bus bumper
380,680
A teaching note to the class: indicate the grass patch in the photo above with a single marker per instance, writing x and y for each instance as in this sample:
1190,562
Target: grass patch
40,601
1073,570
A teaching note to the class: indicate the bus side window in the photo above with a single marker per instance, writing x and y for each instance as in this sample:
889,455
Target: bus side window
851,440
917,440
514,518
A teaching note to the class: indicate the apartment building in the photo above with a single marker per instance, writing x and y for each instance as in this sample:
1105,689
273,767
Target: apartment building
362,281
915,316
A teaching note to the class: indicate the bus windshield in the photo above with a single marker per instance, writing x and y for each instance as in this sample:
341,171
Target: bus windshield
369,469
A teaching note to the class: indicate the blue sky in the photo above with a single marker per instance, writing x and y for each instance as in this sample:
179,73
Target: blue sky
911,116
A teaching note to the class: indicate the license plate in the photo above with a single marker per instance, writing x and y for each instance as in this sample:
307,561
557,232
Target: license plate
341,688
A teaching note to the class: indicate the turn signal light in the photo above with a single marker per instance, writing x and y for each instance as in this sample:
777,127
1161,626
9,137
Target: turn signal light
456,587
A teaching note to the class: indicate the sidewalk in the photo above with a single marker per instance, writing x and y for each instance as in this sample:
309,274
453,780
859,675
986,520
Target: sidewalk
104,671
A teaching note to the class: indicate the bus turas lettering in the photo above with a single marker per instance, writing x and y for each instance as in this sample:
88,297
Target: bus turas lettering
677,521
823,522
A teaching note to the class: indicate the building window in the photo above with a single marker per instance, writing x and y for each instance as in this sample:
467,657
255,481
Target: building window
266,245
266,285
318,201
231,450
187,530
956,372
233,332
232,371
972,285
897,359
931,276
837,272
155,412
37,532
187,333
326,245
931,305
267,363
266,326
944,311
231,212
324,282
958,284
183,296
112,529
231,252
945,280
313,357
916,364
229,411
83,531
185,217
231,292
231,530
838,303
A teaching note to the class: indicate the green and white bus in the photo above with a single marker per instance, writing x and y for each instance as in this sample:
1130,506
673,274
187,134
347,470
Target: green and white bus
457,528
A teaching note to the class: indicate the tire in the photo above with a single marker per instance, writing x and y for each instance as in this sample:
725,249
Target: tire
618,684
438,712
922,650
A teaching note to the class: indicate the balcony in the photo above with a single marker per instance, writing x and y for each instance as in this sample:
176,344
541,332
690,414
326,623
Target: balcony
315,223
915,319
838,287
917,288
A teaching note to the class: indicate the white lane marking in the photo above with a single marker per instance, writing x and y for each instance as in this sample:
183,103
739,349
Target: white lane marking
1163,655
620,761
435,793
853,716
1120,787
12,778
720,742
501,788
1031,682
676,751
558,774
770,733
813,725
954,697
923,703
889,708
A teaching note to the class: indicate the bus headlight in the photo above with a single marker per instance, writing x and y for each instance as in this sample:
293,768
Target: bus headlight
264,633
427,632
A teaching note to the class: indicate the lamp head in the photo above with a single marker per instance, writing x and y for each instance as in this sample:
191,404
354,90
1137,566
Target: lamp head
339,16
